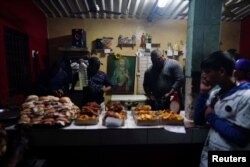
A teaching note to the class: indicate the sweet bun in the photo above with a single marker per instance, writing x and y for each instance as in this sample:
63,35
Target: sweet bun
24,119
48,120
29,104
65,100
65,120
32,98
53,98
36,119
26,111
44,98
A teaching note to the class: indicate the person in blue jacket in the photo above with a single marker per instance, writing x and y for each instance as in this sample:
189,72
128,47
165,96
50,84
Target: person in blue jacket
225,109
242,70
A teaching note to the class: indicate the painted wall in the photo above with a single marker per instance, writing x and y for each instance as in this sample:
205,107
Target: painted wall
22,16
230,35
244,38
162,31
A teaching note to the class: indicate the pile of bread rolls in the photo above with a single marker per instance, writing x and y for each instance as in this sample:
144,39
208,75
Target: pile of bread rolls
47,110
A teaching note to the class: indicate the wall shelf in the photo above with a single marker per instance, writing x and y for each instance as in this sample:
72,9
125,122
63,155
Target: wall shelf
102,51
154,45
73,49
126,45
73,53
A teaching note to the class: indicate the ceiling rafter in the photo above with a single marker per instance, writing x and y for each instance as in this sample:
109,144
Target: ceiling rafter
64,8
56,8
37,3
79,8
47,6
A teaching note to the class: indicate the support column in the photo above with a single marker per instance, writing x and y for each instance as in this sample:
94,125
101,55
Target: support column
202,39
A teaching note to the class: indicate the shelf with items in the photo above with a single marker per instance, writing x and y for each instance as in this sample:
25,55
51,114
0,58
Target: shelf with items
102,51
74,53
126,45
154,45
72,49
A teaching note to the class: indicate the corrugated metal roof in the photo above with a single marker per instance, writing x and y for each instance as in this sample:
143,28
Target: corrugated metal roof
232,10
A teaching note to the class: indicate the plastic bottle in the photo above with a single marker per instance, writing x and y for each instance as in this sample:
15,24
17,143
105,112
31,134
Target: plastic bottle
146,41
83,75
149,38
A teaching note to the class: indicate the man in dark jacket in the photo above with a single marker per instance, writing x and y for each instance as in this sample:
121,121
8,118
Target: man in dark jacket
163,79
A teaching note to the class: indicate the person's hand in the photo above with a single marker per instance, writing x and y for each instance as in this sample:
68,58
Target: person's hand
58,92
106,88
168,94
204,86
208,110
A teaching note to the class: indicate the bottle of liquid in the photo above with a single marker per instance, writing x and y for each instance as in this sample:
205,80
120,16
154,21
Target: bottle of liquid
146,41
83,75
149,38
143,39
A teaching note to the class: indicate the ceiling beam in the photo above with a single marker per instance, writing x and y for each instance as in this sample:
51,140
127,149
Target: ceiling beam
48,8
64,8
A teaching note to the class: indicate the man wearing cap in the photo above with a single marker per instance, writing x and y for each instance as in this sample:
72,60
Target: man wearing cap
98,83
242,70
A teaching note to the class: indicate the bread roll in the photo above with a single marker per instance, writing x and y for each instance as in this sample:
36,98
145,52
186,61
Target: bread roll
32,98
65,100
63,119
29,104
44,98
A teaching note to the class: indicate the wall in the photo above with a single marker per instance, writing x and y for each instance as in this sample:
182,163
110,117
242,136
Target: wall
162,31
244,38
22,16
230,35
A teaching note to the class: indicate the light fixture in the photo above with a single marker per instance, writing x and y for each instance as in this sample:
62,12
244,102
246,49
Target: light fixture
162,3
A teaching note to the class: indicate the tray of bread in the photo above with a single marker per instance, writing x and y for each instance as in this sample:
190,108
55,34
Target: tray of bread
115,115
144,116
168,117
89,114
47,111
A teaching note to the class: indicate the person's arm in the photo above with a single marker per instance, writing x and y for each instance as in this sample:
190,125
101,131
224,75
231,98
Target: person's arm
146,87
231,132
178,75
107,84
106,88
199,108
200,103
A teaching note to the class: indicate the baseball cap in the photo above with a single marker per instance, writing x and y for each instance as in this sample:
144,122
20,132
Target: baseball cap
94,61
243,64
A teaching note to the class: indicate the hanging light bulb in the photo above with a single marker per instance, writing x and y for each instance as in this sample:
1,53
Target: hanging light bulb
162,3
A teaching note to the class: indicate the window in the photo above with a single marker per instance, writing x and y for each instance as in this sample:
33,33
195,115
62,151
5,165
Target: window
17,60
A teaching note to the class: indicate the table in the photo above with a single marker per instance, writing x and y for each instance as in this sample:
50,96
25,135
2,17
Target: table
129,134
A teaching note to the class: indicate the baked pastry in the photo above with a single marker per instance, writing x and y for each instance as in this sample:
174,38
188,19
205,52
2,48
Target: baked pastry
32,98
44,98
29,104
65,100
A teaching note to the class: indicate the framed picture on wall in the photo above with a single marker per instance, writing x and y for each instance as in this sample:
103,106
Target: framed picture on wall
121,71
